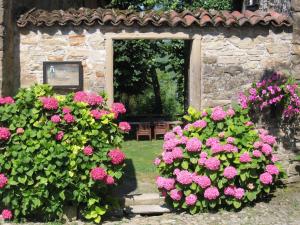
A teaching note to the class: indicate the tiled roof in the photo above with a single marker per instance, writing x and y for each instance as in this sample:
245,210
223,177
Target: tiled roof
200,17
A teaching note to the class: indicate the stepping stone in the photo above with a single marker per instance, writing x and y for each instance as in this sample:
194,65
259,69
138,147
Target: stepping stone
147,209
144,199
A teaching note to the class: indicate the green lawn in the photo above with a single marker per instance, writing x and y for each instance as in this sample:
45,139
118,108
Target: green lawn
140,170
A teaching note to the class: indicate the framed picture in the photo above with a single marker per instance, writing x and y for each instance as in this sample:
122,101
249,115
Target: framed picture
64,75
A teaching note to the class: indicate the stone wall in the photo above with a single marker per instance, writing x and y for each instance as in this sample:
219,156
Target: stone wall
1,42
62,45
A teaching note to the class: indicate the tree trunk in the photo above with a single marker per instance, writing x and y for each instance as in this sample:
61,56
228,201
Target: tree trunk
156,88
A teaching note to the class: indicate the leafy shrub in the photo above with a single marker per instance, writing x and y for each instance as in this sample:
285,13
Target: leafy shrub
58,151
217,161
277,92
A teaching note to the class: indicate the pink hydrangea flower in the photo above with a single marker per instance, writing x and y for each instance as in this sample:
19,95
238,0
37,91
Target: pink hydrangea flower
6,214
218,114
187,127
230,148
257,153
184,177
88,150
66,110
245,158
4,134
157,161
20,130
211,141
239,193
268,139
211,193
118,108
178,131
183,140
204,114
203,155
216,148
257,144
59,136
97,114
193,145
201,161
266,149
168,157
170,144
7,101
212,164
230,140
249,124
266,178
124,126
109,180
98,173
69,118
221,134
169,136
230,172
230,190
274,158
177,153
202,181
55,119
191,199
3,180
243,100
176,171
117,156
90,98
166,183
230,112
200,124
176,195
272,169
263,131
49,103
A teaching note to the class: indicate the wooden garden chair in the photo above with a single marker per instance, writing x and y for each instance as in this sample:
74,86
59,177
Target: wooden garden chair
160,129
144,129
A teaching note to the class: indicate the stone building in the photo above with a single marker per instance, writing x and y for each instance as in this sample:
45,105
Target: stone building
229,50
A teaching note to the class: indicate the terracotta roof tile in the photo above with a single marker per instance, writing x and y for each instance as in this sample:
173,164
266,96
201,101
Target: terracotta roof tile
199,17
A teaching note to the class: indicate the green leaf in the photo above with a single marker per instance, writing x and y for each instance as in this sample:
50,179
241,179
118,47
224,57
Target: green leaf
185,165
237,204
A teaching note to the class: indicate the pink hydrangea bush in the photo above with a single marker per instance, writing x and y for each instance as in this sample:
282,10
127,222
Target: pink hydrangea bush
220,163
67,149
275,92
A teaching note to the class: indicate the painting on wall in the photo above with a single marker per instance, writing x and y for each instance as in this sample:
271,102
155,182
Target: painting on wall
63,75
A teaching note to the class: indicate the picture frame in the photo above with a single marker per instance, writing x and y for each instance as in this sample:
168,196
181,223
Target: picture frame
63,75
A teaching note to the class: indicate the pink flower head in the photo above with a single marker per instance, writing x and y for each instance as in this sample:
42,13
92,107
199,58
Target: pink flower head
218,114
169,136
177,153
211,193
272,169
243,100
201,161
230,140
3,180
239,193
166,183
184,177
266,178
157,161
266,149
183,140
69,118
88,150
6,214
257,153
178,131
204,114
6,101
193,145
170,144
252,91
257,144
20,130
176,195
118,108
98,173
55,119
245,157
212,164
202,181
211,141
109,180
249,124
191,199
200,124
230,112
221,134
4,134
230,172
203,155
94,99
230,148
168,157
216,148
176,171
274,158
97,114
59,136
268,139
187,127
263,131
117,156
49,103
66,110
230,190
124,126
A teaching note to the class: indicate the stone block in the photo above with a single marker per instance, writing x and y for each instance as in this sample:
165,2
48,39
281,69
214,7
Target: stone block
296,36
147,209
77,40
278,48
228,60
209,60
296,5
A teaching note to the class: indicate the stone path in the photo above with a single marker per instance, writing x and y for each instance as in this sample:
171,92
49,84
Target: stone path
283,209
